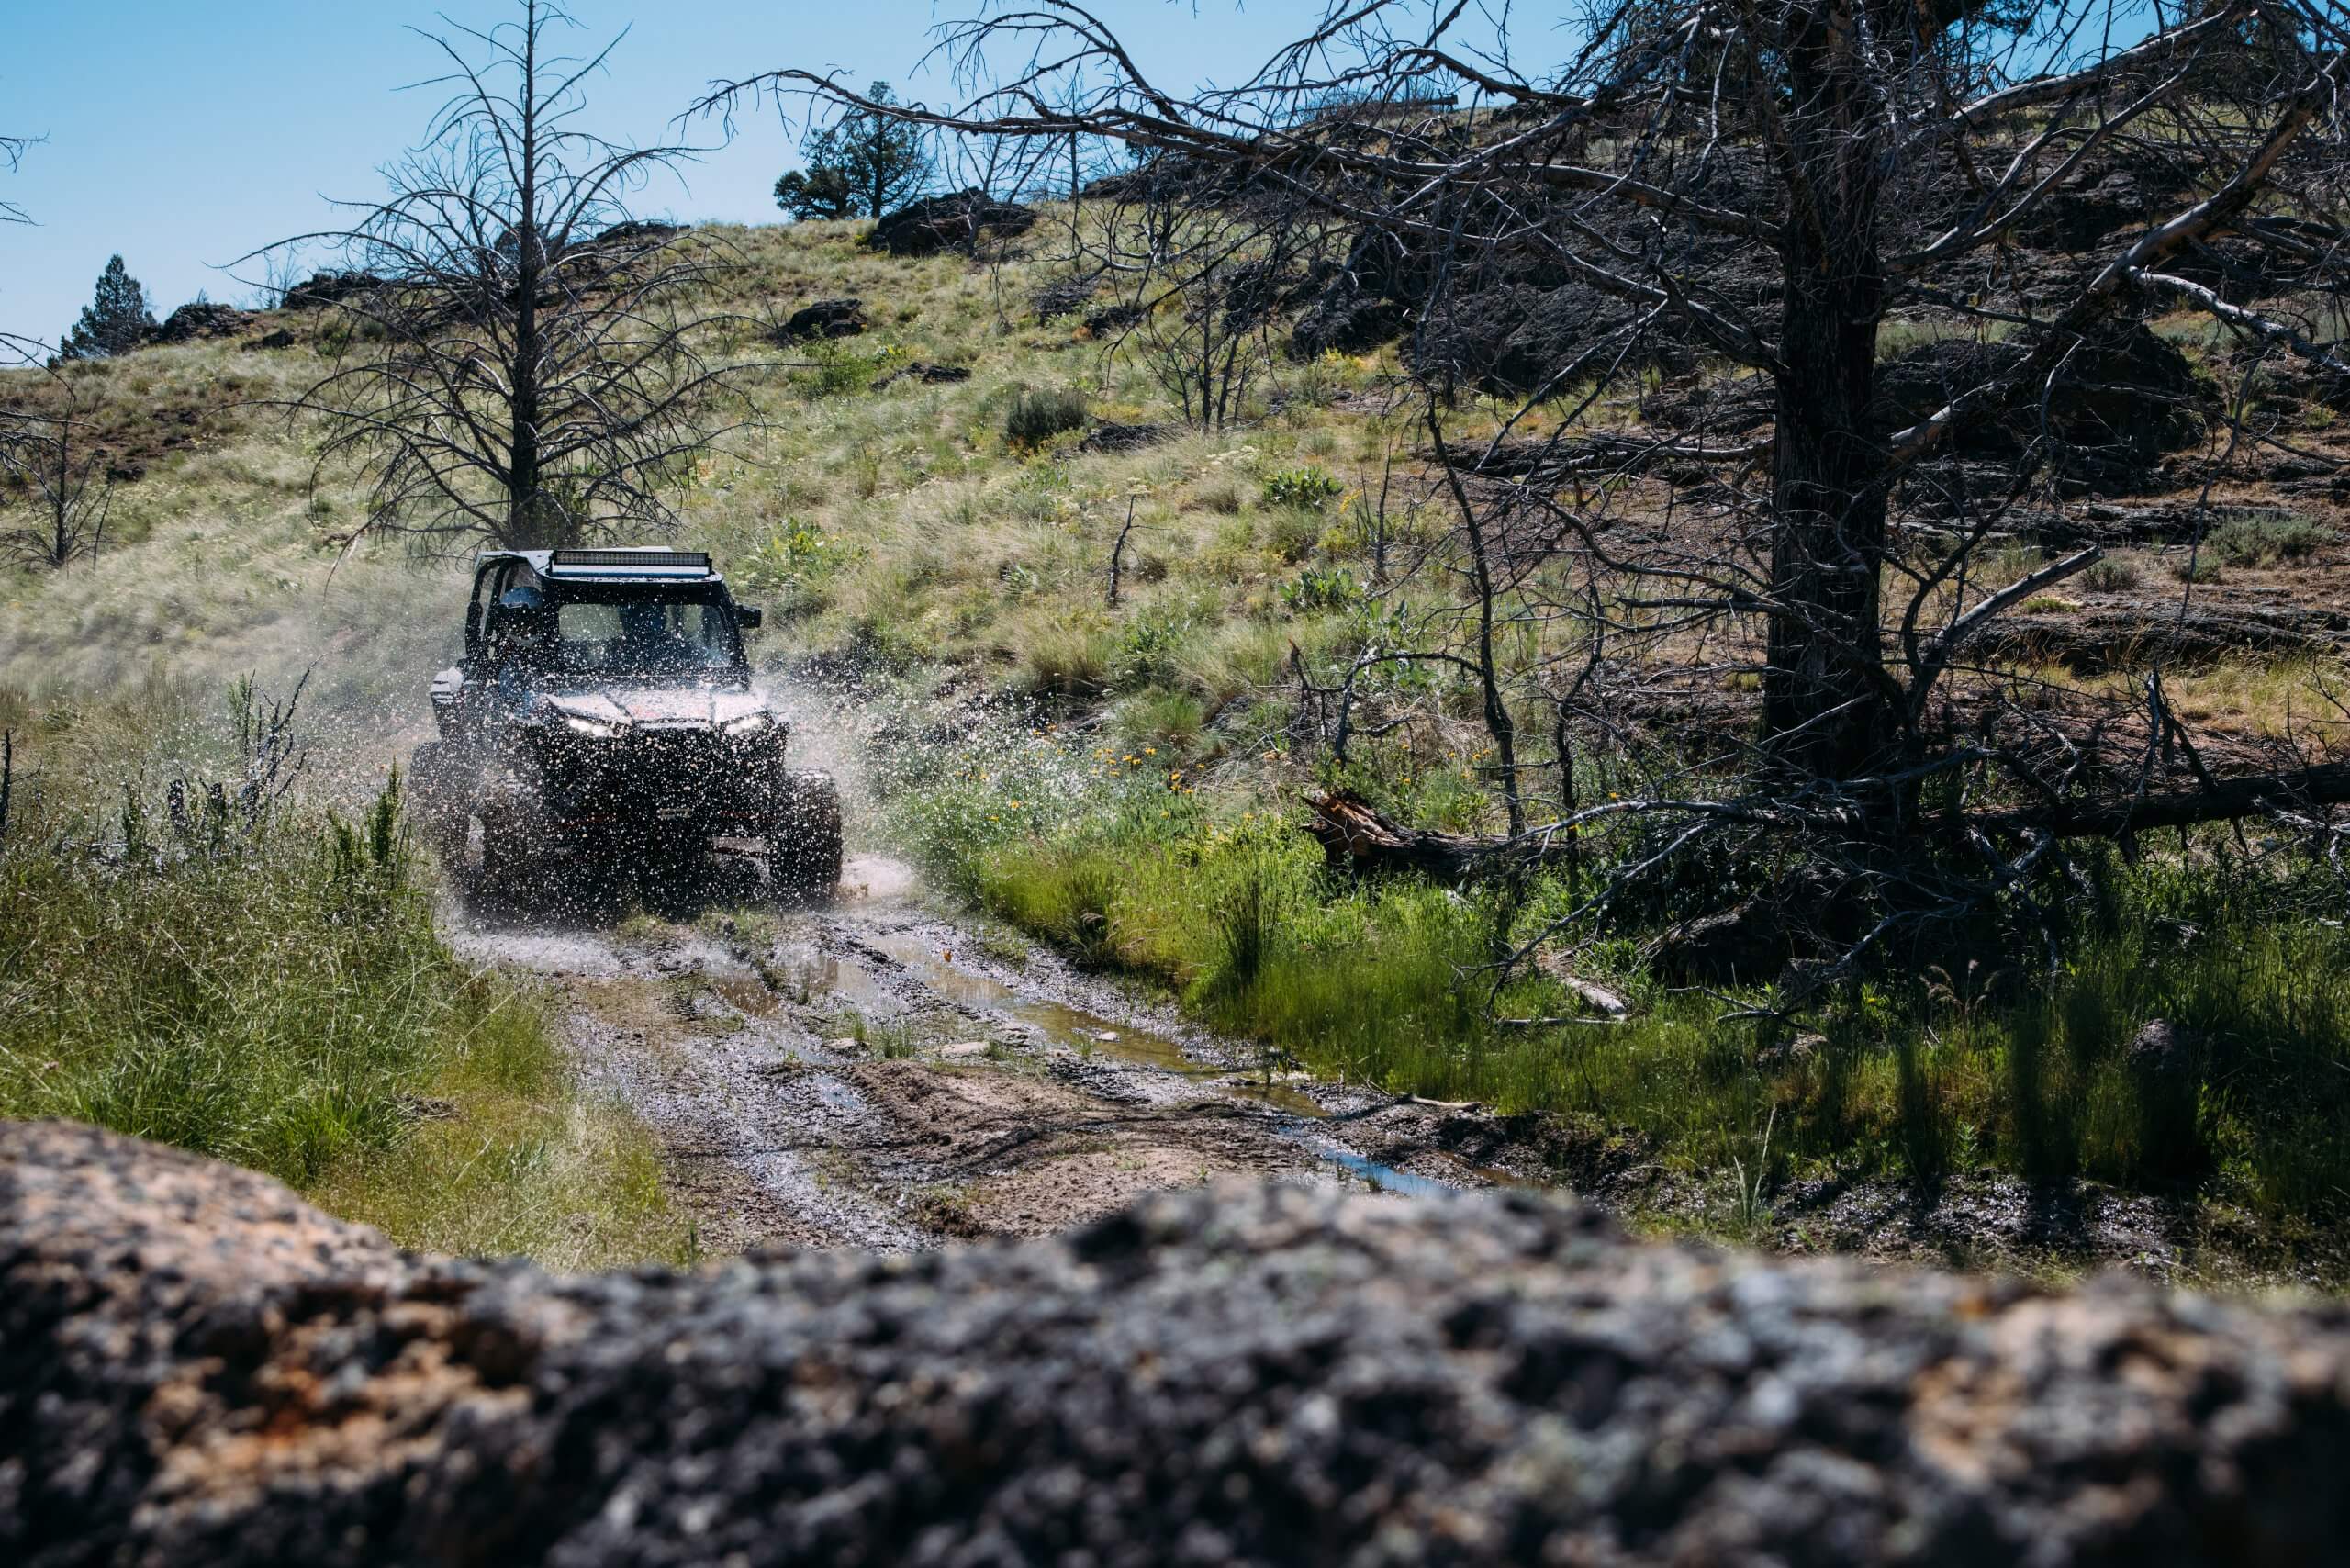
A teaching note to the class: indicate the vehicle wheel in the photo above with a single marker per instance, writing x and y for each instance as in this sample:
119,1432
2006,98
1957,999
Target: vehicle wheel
502,856
434,785
804,850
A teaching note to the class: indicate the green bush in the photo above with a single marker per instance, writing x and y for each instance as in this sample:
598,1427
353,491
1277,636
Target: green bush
2256,538
1037,417
1301,490
1315,589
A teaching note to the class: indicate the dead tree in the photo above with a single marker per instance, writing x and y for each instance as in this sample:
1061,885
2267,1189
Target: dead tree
1746,195
12,151
521,367
63,485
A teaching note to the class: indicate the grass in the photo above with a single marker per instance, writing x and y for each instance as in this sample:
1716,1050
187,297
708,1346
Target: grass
1923,1078
949,543
273,992
2253,537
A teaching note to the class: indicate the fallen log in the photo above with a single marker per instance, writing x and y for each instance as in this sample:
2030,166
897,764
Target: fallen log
1353,832
1355,835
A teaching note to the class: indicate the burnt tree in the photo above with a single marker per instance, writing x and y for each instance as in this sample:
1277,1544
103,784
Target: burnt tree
520,366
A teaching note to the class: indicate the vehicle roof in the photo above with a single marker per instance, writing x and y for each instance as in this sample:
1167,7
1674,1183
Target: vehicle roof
613,563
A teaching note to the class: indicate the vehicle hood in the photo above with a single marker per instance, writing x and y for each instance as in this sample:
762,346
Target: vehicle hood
659,707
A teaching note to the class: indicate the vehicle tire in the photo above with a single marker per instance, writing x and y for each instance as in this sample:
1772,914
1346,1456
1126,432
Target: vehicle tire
804,850
441,806
503,856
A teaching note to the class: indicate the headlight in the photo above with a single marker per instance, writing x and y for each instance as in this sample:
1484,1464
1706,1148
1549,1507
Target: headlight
750,724
578,724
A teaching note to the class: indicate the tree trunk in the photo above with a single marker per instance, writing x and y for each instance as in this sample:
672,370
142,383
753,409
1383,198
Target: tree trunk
1827,711
526,520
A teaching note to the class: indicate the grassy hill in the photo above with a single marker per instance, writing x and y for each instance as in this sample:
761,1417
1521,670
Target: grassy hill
1121,779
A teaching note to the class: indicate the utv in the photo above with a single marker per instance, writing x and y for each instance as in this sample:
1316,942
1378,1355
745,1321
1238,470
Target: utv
604,707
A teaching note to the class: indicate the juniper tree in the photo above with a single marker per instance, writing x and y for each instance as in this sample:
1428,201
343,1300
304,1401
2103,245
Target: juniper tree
117,319
864,165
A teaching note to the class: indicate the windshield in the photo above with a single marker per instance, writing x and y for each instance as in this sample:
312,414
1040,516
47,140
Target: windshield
633,630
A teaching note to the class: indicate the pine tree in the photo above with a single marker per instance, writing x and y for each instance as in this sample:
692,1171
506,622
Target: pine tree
862,165
114,321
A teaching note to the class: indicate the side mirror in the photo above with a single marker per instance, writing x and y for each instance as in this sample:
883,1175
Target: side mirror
748,616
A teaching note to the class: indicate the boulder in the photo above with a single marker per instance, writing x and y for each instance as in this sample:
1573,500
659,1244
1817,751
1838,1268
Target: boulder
197,1367
202,319
825,318
1062,296
954,223
2120,405
1109,436
328,288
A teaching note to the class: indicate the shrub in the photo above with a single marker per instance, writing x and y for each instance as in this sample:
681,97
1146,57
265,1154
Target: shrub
1037,417
2113,574
1316,589
1303,489
2255,538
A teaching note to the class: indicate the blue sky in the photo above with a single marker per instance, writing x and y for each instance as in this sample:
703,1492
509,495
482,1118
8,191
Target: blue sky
185,134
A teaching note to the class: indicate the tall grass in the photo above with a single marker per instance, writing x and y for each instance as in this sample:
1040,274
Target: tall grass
1390,983
268,988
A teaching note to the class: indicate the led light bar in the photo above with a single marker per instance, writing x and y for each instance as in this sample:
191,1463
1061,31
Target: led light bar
695,563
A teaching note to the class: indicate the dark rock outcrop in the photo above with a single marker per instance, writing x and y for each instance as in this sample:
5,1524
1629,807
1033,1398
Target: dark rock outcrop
328,288
2115,408
824,320
196,1367
202,319
1108,435
952,222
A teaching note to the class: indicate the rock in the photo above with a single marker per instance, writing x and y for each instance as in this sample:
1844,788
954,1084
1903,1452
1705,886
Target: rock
202,319
1345,320
931,374
280,339
328,288
1109,436
825,318
1113,319
2119,405
1517,338
964,1050
955,222
196,1367
1062,296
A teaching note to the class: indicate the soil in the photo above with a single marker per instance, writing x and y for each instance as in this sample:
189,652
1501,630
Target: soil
876,1071
883,1071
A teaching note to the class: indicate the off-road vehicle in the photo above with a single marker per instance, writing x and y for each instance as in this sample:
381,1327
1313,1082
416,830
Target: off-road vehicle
605,708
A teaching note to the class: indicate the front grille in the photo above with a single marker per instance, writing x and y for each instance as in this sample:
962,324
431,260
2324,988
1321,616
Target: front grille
653,776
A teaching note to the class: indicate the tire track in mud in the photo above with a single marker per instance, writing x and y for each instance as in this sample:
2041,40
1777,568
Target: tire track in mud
870,1073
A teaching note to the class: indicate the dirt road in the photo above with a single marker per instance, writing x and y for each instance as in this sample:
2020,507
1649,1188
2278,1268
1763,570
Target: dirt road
875,1072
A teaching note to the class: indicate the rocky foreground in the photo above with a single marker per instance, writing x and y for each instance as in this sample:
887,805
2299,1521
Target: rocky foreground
196,1367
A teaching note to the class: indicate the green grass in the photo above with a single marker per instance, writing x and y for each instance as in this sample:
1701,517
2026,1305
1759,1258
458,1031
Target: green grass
276,994
1917,1077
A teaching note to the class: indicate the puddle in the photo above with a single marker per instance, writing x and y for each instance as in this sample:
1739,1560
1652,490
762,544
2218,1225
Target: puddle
1386,1177
1090,1035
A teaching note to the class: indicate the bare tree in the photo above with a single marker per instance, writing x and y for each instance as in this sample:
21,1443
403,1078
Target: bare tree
63,484
523,366
1718,206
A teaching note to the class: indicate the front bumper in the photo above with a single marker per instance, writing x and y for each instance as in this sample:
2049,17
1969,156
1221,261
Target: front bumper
657,782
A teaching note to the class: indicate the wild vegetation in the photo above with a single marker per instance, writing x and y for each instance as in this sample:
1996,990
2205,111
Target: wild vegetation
194,951
1120,578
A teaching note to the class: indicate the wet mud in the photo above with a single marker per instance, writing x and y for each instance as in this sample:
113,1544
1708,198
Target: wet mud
873,1070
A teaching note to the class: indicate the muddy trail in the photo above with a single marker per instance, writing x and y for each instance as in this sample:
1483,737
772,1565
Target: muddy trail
880,1069
876,1071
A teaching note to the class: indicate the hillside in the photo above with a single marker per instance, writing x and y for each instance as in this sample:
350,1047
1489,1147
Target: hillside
1123,781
